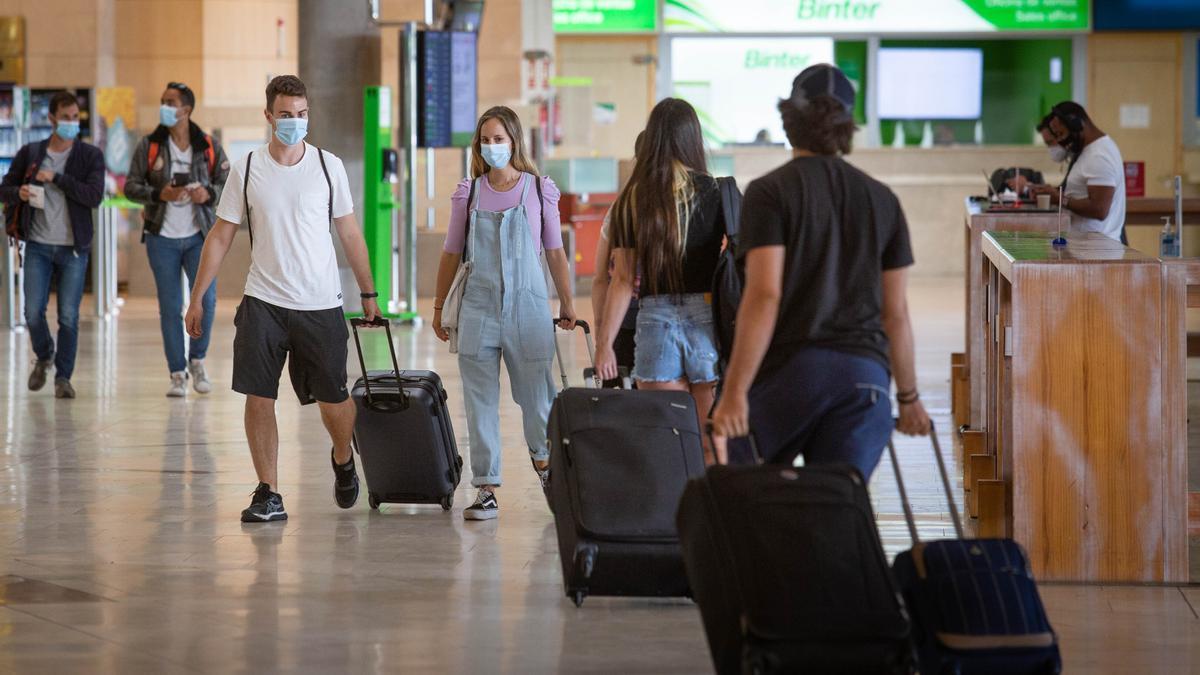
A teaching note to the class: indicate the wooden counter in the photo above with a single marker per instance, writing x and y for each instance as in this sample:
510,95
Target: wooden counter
977,222
1150,210
1083,419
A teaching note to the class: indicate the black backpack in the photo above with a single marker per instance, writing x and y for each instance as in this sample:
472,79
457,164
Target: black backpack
730,274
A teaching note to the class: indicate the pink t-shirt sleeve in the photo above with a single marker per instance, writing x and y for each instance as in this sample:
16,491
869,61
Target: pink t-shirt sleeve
552,231
457,229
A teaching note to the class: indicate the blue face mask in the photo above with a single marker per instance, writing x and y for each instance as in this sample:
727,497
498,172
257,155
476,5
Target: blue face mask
291,130
67,130
167,115
497,156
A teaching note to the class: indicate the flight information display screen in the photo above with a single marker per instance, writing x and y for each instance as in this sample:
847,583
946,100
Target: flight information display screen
447,77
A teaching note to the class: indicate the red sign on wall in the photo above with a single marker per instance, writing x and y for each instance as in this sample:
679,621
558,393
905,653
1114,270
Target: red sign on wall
1135,179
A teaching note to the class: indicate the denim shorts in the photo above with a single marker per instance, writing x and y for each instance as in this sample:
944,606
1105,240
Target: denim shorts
675,339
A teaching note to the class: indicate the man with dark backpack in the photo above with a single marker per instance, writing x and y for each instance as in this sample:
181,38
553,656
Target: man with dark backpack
177,173
292,196
823,324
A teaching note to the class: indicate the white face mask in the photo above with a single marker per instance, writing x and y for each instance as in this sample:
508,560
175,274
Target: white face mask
1059,154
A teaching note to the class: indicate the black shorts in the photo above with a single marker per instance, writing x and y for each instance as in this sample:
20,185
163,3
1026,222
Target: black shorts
312,342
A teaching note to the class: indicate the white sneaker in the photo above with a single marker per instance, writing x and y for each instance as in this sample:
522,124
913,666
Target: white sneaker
178,385
200,380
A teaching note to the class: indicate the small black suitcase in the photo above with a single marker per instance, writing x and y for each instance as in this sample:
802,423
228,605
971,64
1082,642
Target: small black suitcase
975,605
619,461
790,575
403,432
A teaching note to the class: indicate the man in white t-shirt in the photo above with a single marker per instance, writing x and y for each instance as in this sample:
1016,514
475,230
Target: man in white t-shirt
1094,191
293,197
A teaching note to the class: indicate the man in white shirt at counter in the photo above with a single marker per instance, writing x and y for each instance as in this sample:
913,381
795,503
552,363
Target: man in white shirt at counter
1094,190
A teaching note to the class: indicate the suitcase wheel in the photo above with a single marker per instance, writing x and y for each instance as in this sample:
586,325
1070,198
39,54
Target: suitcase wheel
447,502
372,500
577,597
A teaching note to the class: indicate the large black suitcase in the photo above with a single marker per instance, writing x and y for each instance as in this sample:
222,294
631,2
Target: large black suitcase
788,570
974,603
403,432
619,461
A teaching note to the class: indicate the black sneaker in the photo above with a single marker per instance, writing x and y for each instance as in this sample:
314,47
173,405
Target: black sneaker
265,507
345,481
484,508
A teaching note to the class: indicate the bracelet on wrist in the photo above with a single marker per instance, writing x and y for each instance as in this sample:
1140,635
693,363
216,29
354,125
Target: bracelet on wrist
908,397
368,296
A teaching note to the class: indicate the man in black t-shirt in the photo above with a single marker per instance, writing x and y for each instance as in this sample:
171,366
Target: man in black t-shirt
823,323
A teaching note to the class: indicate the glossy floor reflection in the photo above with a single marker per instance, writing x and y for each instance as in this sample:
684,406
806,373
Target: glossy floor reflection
121,550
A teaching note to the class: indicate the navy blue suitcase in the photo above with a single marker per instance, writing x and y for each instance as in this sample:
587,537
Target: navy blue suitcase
974,603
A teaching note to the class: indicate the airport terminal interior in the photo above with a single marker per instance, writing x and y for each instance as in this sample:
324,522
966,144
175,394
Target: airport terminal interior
1045,157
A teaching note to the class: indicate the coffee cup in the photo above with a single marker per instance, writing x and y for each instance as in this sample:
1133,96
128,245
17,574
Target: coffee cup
37,196
1043,202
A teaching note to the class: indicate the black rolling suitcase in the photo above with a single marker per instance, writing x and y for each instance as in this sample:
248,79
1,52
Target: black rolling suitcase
974,603
788,570
619,461
403,432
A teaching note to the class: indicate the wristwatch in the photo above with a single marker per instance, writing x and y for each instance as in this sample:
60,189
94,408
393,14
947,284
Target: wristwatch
368,296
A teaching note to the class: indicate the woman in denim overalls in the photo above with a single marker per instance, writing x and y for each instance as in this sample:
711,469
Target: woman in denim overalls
498,223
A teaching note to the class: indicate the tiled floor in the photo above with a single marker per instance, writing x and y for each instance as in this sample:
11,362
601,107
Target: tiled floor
121,550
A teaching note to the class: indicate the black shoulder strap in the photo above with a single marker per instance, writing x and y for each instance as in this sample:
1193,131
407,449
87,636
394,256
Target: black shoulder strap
537,183
246,198
324,170
731,205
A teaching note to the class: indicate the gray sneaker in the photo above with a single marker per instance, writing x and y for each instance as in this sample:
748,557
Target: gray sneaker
37,378
178,385
200,381
63,389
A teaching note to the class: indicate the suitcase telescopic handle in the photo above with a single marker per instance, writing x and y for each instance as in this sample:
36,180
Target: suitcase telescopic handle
379,405
941,464
587,336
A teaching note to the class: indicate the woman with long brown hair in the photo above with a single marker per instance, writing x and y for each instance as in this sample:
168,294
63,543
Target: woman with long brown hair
502,220
668,224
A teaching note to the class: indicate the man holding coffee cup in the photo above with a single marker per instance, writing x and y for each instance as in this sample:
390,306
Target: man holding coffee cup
49,193
178,172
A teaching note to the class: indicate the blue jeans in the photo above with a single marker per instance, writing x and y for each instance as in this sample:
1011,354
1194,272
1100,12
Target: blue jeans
43,263
169,259
829,405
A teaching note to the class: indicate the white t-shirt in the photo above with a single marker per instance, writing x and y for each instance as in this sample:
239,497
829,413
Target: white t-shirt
292,260
178,222
1099,164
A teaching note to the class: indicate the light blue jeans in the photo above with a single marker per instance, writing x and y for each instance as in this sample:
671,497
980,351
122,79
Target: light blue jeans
169,259
675,340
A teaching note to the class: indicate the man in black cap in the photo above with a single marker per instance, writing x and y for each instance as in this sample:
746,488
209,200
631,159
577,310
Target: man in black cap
823,323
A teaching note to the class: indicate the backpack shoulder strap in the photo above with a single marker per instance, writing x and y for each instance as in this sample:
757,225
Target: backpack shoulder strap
246,198
325,170
210,154
537,183
152,155
731,205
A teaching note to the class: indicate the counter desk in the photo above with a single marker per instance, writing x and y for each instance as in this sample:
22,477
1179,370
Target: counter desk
1084,406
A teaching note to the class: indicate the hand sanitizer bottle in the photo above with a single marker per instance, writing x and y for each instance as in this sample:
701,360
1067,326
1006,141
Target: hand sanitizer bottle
1168,246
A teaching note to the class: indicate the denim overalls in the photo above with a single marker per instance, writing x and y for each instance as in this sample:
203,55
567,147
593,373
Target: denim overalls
505,312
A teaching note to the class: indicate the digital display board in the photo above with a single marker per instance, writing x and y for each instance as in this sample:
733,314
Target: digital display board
447,74
912,84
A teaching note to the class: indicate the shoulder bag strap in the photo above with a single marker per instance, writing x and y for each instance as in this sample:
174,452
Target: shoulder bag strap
246,198
324,170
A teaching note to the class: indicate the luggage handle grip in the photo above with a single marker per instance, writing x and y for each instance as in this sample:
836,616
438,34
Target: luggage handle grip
587,336
379,405
758,458
941,463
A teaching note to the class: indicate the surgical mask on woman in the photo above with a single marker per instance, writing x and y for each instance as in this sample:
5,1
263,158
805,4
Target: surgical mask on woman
1059,154
496,155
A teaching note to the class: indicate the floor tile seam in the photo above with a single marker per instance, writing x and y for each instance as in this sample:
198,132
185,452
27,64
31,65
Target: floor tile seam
101,638
1188,600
